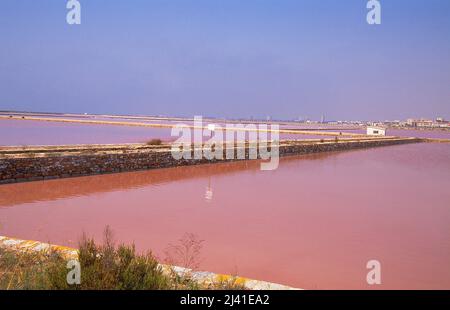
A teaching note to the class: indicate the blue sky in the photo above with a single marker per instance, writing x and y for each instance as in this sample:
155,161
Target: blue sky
227,58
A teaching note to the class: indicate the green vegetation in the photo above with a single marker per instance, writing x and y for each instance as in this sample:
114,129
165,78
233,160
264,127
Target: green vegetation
27,270
103,267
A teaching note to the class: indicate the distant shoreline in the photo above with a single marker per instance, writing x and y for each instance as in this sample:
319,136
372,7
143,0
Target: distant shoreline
352,126
420,128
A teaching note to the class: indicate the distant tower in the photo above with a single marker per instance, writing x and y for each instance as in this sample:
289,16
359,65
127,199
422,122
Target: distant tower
322,119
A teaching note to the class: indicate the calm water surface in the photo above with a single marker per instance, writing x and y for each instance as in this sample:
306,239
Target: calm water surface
313,223
27,132
21,133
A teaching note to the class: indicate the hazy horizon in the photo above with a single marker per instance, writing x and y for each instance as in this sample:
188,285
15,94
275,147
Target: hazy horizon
283,59
203,116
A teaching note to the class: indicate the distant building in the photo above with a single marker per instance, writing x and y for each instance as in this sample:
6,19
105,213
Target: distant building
425,123
376,131
411,122
419,122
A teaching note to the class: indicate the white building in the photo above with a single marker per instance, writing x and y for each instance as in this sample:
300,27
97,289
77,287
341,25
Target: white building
376,131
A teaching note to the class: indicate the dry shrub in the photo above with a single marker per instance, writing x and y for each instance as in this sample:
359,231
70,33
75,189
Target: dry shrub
154,142
106,267
186,252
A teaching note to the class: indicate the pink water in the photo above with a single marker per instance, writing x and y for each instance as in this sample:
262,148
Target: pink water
313,223
441,134
416,133
26,132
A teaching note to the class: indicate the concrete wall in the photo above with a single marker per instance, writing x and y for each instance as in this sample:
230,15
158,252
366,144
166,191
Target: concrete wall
58,162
